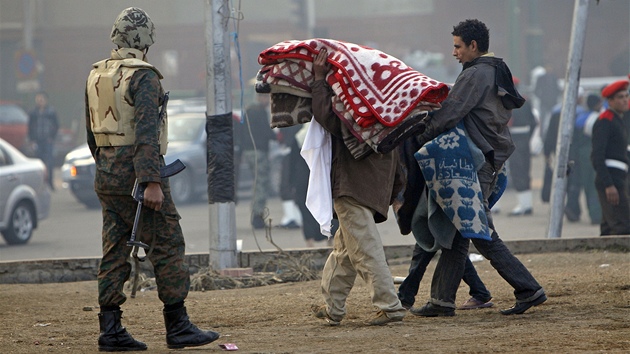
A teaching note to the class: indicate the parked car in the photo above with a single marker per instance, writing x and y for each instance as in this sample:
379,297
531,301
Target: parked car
24,194
187,142
77,174
13,124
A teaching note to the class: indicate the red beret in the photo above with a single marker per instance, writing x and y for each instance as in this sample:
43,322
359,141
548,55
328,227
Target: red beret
615,87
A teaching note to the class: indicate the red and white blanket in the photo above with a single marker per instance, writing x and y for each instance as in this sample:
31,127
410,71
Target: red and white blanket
374,86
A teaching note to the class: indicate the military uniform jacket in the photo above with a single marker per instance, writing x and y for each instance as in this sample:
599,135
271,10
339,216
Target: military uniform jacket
117,167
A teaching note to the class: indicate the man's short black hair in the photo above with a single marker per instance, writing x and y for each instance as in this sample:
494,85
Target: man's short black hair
593,102
476,30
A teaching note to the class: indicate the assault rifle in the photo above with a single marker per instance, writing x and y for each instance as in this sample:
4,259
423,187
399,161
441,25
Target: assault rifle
137,193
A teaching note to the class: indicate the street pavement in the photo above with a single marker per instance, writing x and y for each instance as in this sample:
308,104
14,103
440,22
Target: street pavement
73,231
529,227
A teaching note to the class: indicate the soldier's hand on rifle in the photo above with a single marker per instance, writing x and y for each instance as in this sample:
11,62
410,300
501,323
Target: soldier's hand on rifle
153,196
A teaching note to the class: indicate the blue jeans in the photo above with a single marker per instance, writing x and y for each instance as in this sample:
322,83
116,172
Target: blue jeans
408,290
450,268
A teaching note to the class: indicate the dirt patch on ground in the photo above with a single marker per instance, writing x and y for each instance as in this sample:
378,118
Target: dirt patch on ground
588,311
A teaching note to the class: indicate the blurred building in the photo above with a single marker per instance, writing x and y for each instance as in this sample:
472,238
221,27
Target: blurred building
52,44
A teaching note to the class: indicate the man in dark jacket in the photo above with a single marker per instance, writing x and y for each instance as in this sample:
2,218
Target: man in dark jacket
362,191
42,131
482,97
610,160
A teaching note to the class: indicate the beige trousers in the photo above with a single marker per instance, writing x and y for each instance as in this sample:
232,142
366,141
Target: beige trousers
358,249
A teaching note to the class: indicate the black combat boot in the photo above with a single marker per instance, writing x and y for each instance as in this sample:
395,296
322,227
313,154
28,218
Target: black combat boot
180,332
114,337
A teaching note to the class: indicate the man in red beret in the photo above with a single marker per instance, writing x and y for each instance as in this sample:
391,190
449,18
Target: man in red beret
610,160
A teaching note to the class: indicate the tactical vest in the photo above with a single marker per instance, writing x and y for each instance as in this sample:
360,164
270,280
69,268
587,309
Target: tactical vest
112,117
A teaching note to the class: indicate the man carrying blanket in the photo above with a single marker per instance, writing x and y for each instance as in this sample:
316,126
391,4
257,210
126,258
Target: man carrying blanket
476,110
362,191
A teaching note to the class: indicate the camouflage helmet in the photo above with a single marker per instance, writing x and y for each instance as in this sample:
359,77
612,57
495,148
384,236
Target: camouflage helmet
133,29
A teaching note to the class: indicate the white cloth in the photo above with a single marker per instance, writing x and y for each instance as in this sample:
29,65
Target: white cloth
590,121
317,152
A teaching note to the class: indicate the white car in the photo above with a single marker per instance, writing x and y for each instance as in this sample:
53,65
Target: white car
24,194
187,142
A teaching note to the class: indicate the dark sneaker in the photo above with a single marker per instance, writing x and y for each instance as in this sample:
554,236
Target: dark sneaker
320,312
521,307
473,303
258,222
432,310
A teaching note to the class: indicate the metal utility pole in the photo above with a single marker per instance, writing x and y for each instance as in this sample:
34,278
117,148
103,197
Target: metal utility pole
310,18
220,142
567,118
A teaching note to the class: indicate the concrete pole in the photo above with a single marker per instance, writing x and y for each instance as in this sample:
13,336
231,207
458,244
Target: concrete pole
514,35
29,23
220,137
567,118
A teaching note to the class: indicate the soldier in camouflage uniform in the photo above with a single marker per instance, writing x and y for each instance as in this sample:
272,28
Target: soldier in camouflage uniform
128,141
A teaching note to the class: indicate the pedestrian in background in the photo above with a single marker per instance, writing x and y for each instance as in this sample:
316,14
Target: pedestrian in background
253,137
547,91
43,126
582,176
610,160
522,125
291,213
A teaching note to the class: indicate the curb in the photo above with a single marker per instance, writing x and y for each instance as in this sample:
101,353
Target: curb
84,269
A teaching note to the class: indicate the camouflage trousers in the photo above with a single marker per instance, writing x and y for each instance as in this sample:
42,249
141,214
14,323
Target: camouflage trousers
167,257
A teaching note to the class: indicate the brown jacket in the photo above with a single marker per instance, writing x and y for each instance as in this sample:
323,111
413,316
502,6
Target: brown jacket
373,181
